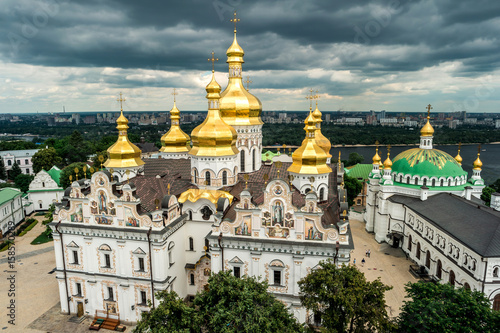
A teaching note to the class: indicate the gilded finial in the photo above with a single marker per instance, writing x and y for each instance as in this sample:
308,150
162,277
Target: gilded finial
157,203
234,20
168,188
128,175
84,172
458,158
213,60
310,97
266,177
290,178
76,173
176,93
278,164
316,97
121,100
429,108
477,165
339,158
248,81
246,177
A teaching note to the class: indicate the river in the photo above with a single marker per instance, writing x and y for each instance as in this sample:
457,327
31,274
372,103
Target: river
490,156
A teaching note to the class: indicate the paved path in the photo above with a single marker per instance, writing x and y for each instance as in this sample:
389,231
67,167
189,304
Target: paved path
27,254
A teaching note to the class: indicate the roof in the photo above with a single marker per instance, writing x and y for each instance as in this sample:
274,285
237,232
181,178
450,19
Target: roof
359,171
55,174
268,155
475,226
147,147
19,153
427,162
7,194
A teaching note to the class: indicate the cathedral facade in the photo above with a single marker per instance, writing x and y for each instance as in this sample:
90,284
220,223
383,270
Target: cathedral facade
208,204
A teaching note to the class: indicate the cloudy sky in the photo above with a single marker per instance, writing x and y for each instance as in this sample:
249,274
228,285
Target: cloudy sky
397,55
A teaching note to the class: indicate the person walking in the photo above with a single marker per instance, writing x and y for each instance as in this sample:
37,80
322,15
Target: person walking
369,253
363,262
354,261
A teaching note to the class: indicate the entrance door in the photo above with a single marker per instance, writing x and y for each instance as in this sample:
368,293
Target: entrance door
79,307
395,242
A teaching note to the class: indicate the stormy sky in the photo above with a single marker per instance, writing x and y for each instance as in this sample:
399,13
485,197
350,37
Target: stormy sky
397,55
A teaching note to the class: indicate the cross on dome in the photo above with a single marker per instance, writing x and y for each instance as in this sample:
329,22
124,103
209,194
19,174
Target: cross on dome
248,81
175,94
121,100
213,60
234,20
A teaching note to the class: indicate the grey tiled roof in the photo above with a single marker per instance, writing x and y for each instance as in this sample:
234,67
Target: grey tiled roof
476,226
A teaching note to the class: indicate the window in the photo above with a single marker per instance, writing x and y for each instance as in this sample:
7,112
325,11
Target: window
25,161
27,171
144,298
242,161
438,269
9,162
452,278
191,279
237,272
207,178
425,181
195,176
191,244
433,182
78,289
495,272
466,286
224,177
107,260
277,277
428,260
441,182
110,294
418,250
253,160
41,207
449,182
496,303
141,264
322,194
408,180
75,257
170,247
43,184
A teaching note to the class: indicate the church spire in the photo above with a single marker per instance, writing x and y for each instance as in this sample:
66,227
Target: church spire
175,141
427,132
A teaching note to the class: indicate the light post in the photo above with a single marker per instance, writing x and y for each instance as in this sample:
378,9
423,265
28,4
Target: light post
219,240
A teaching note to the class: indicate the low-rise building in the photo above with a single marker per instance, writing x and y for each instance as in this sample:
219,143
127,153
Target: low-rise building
45,189
21,157
11,209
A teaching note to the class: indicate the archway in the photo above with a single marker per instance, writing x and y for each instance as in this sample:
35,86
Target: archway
428,259
451,280
439,268
496,303
418,250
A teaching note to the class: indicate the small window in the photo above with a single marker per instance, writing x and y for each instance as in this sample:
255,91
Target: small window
224,177
195,176
207,178
141,264
27,171
25,161
107,260
322,194
9,162
144,298
191,279
495,272
43,184
75,257
242,161
78,289
41,207
237,272
277,277
110,294
191,244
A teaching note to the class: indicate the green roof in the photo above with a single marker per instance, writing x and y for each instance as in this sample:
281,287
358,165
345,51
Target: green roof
427,162
435,188
359,171
7,194
55,173
46,190
268,155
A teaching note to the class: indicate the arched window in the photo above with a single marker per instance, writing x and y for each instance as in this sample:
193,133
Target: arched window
425,181
452,278
449,182
224,177
466,286
433,182
242,160
191,244
495,272
190,213
441,183
428,260
322,194
418,250
409,243
207,178
439,268
400,178
408,180
253,160
195,174
496,303
191,279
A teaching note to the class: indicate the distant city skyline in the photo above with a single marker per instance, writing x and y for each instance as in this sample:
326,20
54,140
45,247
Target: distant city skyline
393,55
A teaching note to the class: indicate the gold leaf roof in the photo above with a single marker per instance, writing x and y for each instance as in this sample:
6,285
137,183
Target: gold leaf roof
321,140
427,130
194,194
477,163
175,140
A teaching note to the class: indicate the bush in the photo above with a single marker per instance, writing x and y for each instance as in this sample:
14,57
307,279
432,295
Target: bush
31,226
44,237
5,245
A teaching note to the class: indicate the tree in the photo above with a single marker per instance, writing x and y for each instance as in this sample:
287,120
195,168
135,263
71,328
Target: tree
353,187
3,173
354,158
70,171
486,195
344,300
15,171
229,304
442,308
23,182
45,159
234,304
95,160
171,315
496,185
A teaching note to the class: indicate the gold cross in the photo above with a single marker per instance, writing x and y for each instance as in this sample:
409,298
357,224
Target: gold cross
388,150
234,20
478,150
316,97
310,97
121,100
248,81
429,108
459,146
175,93
213,60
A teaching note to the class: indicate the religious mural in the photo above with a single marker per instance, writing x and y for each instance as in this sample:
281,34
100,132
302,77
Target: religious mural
266,220
289,222
279,232
77,216
245,228
311,232
103,219
110,307
277,213
102,203
130,220
93,208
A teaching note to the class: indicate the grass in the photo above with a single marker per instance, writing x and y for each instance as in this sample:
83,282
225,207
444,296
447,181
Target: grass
44,237
31,226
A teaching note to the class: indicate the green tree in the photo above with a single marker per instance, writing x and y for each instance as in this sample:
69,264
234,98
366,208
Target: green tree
95,160
15,171
486,195
45,159
171,315
354,158
23,182
3,173
345,300
242,305
443,308
70,171
353,187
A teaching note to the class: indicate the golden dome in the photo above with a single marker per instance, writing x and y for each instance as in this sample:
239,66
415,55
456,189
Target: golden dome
321,140
458,158
388,162
123,153
376,158
427,130
175,140
477,163
309,158
237,105
213,137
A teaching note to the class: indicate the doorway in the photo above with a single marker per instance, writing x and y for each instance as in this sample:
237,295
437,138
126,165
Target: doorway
79,307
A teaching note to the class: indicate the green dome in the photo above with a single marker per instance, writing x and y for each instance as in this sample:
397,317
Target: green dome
427,162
